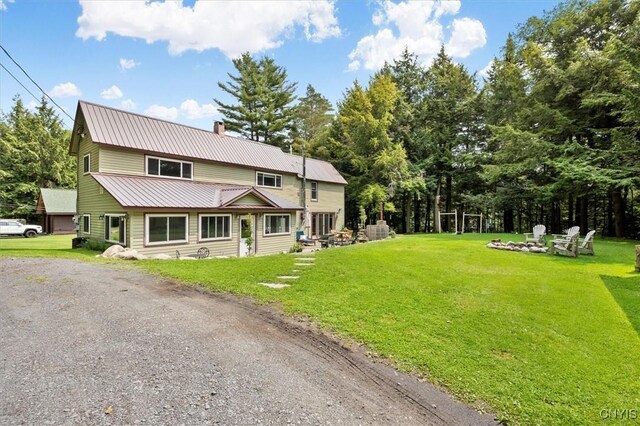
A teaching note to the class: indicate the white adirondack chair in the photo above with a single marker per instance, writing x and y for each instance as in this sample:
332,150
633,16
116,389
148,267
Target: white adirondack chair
574,230
537,236
566,247
585,246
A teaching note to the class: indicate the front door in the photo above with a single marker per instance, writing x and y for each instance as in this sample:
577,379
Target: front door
247,236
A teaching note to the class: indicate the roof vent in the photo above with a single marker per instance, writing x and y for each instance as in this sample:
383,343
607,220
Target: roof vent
218,128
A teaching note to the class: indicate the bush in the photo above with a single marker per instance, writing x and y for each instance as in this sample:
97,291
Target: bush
296,248
96,245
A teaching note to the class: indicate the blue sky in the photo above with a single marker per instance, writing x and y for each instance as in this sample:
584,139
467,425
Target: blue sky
165,59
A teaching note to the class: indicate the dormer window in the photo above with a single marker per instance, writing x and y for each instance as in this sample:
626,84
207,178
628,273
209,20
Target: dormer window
165,167
268,180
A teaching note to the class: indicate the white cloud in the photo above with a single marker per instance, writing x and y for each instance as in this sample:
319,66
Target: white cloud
127,64
3,5
32,105
64,90
232,27
417,26
128,104
112,92
467,35
159,111
192,110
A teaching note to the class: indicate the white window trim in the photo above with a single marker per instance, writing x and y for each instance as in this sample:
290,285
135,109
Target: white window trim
200,216
270,174
84,230
146,167
89,170
264,226
317,191
107,215
165,243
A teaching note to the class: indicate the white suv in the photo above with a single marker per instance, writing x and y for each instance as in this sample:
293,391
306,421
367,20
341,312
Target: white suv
13,227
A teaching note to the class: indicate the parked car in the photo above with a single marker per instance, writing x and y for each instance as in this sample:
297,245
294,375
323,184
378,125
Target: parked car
13,227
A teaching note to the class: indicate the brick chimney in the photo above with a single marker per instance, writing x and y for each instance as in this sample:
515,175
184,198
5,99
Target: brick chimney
218,128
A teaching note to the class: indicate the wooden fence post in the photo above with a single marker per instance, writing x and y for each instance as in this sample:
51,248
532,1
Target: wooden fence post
637,258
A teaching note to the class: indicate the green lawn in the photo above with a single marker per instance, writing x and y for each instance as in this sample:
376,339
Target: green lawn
43,246
534,338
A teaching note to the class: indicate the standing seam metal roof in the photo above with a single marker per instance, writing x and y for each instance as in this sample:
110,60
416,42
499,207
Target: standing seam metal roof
139,192
124,129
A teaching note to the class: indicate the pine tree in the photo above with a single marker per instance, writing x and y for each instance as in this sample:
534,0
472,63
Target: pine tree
264,97
450,118
313,117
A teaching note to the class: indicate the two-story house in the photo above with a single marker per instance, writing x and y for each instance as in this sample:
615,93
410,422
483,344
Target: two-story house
158,186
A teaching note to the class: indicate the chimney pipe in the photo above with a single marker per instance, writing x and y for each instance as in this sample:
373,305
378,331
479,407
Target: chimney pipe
218,128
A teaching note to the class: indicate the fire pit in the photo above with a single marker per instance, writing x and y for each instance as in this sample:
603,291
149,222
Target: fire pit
523,247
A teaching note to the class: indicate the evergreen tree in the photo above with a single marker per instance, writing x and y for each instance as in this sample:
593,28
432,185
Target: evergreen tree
313,117
452,129
33,155
264,97
407,129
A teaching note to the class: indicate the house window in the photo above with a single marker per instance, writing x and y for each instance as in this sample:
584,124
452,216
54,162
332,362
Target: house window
277,224
86,164
169,168
115,228
269,180
314,191
322,223
215,227
86,223
166,228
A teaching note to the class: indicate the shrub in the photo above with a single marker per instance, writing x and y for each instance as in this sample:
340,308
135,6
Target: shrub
296,248
96,245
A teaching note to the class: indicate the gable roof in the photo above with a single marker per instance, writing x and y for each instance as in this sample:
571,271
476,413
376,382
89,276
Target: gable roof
149,192
57,201
114,127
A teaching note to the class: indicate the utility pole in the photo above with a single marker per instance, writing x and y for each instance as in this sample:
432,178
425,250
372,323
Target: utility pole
304,186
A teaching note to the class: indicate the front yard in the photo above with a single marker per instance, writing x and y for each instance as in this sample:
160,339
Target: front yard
534,338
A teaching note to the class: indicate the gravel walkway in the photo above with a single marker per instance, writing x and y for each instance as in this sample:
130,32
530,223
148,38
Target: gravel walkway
84,343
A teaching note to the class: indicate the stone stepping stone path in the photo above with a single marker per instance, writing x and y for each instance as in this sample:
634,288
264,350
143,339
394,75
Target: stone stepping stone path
274,285
301,261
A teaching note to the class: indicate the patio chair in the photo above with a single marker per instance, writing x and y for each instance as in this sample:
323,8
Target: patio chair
537,236
565,247
306,241
585,246
574,230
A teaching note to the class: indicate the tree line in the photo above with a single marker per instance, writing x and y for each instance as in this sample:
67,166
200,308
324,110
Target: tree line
551,135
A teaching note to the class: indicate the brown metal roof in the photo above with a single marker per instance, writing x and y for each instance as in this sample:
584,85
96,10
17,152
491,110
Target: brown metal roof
124,129
138,191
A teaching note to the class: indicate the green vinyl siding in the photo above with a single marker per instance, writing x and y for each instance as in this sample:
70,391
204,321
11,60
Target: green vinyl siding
92,200
249,200
271,244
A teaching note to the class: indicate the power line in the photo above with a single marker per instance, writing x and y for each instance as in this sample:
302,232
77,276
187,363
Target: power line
33,81
20,83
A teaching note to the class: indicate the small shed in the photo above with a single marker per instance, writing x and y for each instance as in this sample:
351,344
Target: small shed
57,207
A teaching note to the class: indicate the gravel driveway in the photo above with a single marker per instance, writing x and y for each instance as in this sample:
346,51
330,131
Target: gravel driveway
84,343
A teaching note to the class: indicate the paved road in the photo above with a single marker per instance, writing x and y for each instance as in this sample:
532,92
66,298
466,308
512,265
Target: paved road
87,343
